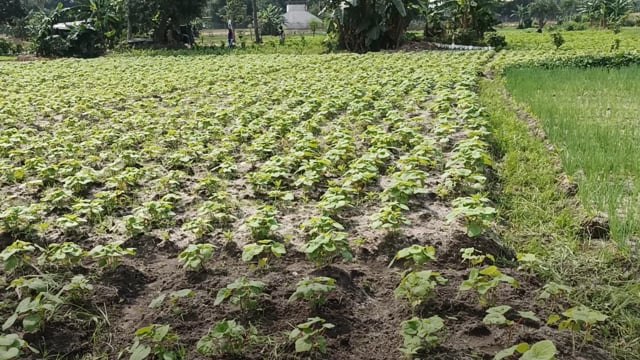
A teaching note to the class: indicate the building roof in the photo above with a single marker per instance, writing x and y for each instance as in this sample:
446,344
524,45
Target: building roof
297,16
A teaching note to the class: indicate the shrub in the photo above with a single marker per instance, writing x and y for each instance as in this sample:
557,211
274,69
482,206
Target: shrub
495,40
6,47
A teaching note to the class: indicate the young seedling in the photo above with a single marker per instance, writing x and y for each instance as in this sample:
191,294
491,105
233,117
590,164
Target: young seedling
156,342
485,282
419,335
415,254
174,299
419,286
265,249
110,254
324,248
34,312
578,319
17,255
314,290
553,292
390,217
475,257
496,316
195,255
66,255
309,337
263,224
529,262
473,210
227,338
78,288
242,292
542,350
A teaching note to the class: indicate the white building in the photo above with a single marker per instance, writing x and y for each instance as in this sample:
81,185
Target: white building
297,17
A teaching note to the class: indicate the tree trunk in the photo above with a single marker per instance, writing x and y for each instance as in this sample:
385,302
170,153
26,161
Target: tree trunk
256,28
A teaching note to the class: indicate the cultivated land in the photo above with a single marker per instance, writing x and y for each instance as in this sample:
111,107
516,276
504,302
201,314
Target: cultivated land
168,175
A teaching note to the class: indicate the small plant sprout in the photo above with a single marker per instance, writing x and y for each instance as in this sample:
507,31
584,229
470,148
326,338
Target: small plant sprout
475,212
11,347
195,255
486,282
416,254
578,319
390,217
475,257
542,350
309,337
419,335
263,224
553,292
242,292
174,299
66,254
529,262
419,286
156,342
227,338
495,316
77,288
17,255
110,254
324,248
265,250
314,290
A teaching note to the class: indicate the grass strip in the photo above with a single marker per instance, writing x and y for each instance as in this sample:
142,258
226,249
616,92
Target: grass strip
544,220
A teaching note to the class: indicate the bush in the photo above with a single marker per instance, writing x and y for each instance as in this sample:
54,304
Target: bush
495,40
574,26
557,39
6,47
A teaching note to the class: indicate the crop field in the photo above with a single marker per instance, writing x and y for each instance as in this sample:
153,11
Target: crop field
592,115
280,207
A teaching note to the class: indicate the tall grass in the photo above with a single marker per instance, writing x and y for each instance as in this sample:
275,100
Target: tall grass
593,116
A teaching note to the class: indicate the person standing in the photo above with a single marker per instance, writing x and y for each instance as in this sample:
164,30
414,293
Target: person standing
231,37
281,33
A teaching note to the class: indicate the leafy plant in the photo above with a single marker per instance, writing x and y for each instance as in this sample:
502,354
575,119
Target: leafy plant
419,286
420,335
324,248
418,255
111,254
313,290
242,292
476,214
227,338
553,292
17,255
34,312
65,254
264,248
475,257
157,341
174,298
264,223
485,282
578,319
390,217
557,39
195,255
309,337
77,288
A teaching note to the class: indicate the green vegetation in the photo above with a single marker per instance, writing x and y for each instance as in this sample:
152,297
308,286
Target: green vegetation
590,116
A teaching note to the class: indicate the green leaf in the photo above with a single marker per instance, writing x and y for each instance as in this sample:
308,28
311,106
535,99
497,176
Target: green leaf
542,350
511,351
140,352
9,353
155,303
304,344
10,321
31,322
